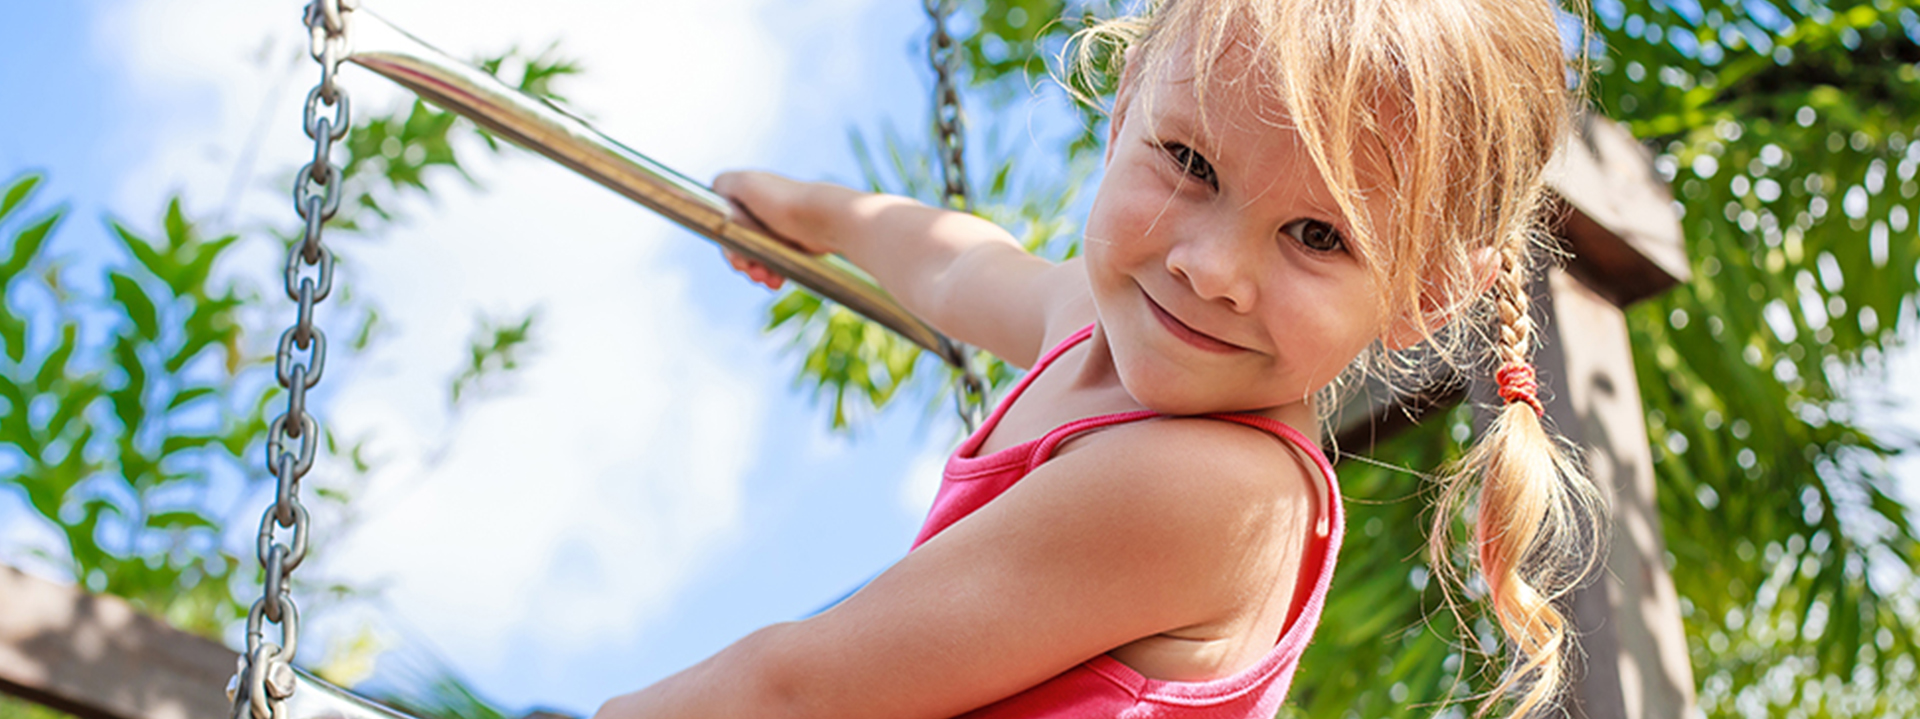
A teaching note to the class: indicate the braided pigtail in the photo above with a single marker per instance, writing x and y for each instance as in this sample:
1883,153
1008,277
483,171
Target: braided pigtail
1536,509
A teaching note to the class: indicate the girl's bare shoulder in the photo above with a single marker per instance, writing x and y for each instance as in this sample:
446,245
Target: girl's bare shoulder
1204,468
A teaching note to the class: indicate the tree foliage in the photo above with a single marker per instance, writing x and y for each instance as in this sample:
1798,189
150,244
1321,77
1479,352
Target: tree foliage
111,435
1786,129
1788,132
130,404
857,367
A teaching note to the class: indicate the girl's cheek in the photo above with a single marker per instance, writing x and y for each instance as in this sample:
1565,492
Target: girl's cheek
1145,211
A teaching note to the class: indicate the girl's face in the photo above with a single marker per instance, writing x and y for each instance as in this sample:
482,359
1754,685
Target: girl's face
1218,259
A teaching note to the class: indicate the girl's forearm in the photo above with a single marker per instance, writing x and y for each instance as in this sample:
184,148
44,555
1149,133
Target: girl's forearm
908,247
737,682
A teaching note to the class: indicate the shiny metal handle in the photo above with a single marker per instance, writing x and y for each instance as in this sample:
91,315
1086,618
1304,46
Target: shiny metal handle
314,698
539,126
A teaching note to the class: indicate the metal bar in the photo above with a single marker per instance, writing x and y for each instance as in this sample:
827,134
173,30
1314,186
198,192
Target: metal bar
314,698
539,126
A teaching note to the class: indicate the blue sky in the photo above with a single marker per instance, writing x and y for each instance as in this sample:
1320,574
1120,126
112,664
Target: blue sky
651,486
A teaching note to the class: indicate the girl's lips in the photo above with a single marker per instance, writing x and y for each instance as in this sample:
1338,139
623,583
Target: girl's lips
1189,335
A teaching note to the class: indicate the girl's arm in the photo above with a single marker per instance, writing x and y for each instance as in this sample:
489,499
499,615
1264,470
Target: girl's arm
964,275
1121,538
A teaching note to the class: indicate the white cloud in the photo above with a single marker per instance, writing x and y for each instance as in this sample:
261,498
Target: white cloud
573,504
570,507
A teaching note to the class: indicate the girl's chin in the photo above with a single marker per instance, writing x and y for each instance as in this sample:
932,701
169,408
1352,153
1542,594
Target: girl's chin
1176,393
1171,391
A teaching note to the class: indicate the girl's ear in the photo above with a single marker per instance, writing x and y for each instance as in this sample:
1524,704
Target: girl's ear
1483,266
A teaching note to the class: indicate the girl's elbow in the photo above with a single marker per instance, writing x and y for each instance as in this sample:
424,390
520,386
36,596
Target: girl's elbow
771,678
758,676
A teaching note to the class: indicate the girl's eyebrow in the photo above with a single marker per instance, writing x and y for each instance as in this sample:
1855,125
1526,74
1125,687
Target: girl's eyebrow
1327,207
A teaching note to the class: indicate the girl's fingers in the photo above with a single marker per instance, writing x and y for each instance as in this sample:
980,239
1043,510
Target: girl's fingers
755,271
770,193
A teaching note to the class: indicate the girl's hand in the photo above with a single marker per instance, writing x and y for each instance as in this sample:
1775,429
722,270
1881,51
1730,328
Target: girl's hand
782,208
967,277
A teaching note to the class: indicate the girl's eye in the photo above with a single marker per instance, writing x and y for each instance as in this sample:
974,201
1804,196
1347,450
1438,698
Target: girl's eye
1316,235
1192,163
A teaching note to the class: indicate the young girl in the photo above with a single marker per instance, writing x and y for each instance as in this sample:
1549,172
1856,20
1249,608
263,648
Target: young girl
1146,526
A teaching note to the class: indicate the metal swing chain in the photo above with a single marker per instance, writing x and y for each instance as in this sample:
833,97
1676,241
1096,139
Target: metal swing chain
265,677
950,139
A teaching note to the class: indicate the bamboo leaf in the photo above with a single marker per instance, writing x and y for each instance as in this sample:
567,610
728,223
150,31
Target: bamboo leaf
191,280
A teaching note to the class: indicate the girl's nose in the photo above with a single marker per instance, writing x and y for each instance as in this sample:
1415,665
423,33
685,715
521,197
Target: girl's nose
1217,267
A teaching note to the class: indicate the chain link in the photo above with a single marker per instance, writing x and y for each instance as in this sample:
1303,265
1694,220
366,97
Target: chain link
950,137
265,678
950,146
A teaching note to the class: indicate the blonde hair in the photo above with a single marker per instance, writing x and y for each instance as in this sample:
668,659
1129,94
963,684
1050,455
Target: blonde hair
1461,103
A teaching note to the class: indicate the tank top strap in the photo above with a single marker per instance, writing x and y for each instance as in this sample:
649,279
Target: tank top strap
1323,544
971,445
1334,516
1076,338
1043,449
1268,677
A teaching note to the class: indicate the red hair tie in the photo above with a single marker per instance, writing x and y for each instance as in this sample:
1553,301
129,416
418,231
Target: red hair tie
1517,384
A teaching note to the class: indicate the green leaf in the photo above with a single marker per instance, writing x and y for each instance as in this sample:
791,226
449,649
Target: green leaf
139,307
142,250
13,332
26,245
188,395
180,520
127,400
17,192
54,366
191,280
72,404
181,442
179,231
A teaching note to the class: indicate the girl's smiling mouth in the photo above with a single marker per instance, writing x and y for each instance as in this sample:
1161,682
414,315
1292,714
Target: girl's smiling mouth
1189,335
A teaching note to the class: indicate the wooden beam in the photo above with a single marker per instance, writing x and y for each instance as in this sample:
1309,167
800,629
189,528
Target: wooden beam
1621,225
97,657
1634,646
1375,413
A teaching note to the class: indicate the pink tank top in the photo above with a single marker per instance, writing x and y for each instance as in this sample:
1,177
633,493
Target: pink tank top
1102,687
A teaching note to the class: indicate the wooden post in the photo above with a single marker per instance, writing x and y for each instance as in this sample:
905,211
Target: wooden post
97,657
1633,661
1626,242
